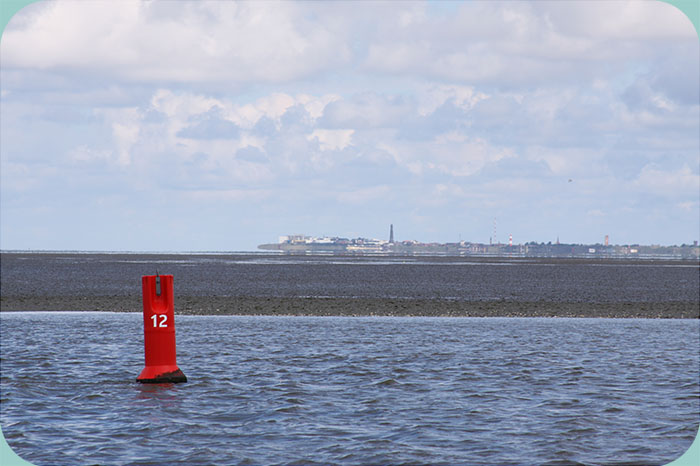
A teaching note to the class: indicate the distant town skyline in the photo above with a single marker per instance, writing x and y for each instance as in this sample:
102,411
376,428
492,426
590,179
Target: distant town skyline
218,126
302,244
510,239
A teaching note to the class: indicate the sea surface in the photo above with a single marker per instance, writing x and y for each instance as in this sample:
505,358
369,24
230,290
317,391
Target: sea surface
351,390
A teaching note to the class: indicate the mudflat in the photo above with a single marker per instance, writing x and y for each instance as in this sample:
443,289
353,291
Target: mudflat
259,284
313,306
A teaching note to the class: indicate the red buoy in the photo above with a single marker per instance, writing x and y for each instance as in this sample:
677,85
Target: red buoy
159,331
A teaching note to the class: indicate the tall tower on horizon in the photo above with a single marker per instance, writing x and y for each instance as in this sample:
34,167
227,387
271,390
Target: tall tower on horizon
494,231
391,233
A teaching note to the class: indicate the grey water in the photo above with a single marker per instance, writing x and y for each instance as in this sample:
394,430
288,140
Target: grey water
305,390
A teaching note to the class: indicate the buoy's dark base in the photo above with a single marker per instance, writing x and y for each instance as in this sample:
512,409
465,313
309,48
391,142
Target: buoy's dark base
167,377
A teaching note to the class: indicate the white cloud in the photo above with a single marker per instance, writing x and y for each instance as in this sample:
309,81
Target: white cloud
125,124
235,43
572,162
228,195
20,178
668,183
176,42
332,139
182,105
368,110
435,95
84,153
452,153
518,43
272,106
316,105
617,19
688,206
513,188
363,195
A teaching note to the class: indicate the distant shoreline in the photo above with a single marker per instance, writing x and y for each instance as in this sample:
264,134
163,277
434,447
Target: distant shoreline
317,306
314,256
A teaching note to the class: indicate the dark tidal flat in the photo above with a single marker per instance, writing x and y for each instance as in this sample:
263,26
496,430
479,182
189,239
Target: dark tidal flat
249,284
271,306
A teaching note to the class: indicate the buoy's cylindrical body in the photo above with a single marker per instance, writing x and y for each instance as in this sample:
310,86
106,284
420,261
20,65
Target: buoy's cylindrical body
159,331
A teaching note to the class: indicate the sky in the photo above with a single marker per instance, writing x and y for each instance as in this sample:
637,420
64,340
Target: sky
218,126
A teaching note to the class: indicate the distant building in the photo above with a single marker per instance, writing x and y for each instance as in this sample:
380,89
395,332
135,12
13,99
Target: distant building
302,244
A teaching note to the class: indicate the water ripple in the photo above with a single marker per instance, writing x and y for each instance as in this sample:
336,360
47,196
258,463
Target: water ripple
352,391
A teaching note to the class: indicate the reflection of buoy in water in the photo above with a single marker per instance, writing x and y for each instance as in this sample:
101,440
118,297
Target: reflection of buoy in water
159,331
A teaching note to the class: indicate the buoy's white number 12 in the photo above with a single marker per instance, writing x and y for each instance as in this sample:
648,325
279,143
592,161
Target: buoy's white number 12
163,320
